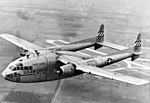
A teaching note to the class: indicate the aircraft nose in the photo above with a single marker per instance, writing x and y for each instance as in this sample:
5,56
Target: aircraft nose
4,74
7,76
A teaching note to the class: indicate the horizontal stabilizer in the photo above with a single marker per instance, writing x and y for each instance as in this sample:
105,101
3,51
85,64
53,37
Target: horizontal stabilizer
111,75
113,46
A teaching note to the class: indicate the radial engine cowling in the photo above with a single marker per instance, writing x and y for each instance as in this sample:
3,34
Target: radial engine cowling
68,70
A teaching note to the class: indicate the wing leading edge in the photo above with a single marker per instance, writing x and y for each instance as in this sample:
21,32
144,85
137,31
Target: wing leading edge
20,42
101,72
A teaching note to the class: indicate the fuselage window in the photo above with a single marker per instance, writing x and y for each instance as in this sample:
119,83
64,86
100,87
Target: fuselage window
25,68
21,68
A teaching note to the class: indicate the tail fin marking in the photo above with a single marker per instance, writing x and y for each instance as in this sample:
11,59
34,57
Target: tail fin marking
137,48
100,36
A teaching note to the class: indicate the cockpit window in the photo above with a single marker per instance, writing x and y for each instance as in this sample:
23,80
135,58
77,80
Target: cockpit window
11,67
14,69
19,64
25,68
18,68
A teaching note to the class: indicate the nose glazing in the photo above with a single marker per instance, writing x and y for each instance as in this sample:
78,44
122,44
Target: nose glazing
7,76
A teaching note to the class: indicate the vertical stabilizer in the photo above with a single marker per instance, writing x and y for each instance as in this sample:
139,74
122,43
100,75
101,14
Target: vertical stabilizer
137,48
100,37
94,40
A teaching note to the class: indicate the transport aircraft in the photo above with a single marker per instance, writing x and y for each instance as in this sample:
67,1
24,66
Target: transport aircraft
38,64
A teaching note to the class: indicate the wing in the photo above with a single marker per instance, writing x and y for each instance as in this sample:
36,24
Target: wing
111,75
69,59
20,42
101,72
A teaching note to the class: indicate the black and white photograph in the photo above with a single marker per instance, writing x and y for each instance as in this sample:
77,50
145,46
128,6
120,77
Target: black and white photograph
74,51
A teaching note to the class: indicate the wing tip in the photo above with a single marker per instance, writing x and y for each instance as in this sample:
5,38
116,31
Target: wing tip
1,35
113,75
5,35
143,82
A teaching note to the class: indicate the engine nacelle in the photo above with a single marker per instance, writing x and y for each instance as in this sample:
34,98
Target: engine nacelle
68,70
24,53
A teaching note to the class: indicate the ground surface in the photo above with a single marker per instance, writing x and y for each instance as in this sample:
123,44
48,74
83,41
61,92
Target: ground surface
71,20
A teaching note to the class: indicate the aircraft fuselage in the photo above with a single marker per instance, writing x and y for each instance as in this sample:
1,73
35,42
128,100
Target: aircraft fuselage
38,69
